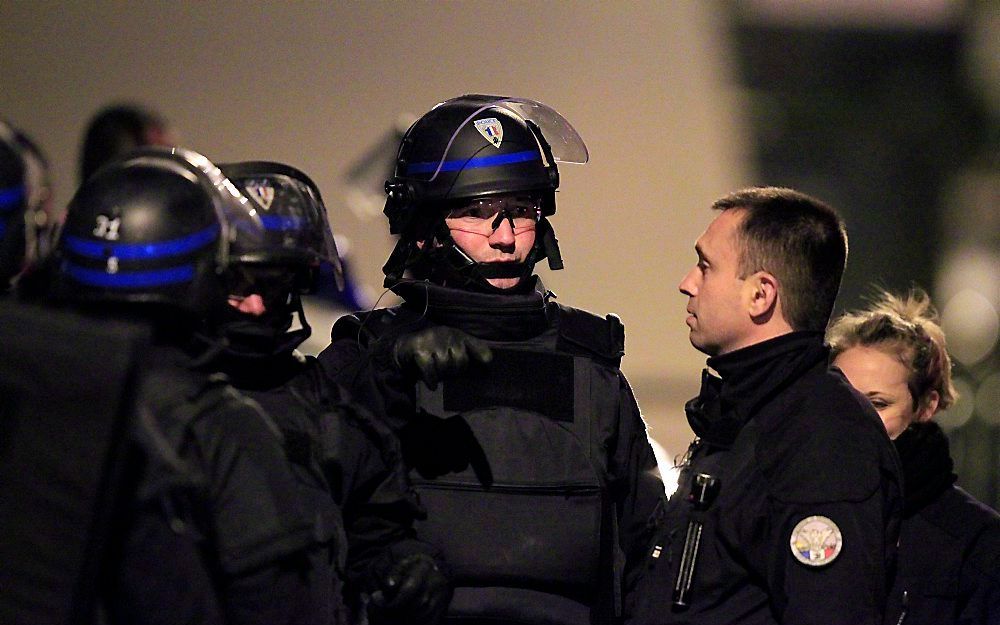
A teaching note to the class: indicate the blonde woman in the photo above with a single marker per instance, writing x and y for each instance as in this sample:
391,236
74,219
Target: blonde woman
949,552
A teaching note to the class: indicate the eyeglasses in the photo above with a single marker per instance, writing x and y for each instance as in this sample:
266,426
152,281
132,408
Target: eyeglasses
484,215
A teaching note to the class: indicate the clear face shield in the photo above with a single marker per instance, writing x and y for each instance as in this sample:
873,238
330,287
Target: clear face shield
565,143
292,213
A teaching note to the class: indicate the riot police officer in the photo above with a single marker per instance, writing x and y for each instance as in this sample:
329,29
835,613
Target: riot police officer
345,457
209,524
522,435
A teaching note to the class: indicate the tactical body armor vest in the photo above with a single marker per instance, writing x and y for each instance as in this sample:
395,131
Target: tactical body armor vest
527,527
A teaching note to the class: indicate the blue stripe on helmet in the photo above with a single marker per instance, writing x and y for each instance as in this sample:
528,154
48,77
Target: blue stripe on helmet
281,222
11,196
130,279
139,251
473,163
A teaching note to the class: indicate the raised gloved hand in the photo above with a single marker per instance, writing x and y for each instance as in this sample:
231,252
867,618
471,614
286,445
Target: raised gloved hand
413,592
436,353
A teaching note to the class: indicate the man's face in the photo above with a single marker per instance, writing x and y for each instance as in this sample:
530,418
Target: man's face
510,242
717,300
255,290
252,304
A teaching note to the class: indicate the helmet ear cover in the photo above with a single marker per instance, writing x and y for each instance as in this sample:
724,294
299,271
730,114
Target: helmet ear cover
399,197
307,279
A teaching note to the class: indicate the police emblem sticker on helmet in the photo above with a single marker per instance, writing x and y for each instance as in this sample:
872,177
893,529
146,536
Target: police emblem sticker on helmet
491,130
262,191
816,541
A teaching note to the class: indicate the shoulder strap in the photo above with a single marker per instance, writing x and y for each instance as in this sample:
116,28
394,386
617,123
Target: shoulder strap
183,394
327,398
171,399
367,327
351,327
584,334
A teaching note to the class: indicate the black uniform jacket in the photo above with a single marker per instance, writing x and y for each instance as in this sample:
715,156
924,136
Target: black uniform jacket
348,466
540,522
949,546
803,526
218,510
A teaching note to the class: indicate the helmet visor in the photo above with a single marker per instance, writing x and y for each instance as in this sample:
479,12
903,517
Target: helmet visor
291,210
564,141
567,145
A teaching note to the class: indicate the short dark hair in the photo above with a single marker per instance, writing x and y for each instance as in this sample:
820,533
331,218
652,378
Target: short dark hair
800,240
113,131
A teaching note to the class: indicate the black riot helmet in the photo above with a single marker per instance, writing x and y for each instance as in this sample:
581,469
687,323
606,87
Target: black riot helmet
282,265
154,228
296,226
25,220
470,147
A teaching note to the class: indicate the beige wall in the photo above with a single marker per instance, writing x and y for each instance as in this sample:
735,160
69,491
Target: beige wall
648,85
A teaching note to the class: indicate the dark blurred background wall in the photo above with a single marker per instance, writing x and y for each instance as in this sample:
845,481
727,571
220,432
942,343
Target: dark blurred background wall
889,110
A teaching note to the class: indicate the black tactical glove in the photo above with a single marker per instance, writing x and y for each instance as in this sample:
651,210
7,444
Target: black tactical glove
439,352
413,592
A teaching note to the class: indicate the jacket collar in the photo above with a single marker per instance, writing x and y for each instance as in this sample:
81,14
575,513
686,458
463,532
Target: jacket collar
505,316
749,378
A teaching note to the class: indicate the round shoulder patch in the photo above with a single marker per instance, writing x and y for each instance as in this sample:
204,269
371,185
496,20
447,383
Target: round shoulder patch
816,541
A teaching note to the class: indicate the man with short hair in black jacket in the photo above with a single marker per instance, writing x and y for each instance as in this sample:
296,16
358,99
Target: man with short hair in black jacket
789,497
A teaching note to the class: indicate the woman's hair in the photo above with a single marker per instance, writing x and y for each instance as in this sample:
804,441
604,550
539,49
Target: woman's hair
908,328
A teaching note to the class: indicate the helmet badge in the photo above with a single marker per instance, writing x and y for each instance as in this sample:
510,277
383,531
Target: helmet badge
491,130
261,191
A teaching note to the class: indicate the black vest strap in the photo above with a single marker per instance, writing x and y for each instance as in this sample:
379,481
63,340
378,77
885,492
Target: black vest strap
583,333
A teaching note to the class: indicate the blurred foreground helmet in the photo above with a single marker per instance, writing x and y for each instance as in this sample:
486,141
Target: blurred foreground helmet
155,227
296,226
469,147
25,217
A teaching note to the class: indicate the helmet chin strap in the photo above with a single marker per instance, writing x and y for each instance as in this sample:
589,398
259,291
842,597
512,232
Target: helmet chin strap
453,266
458,264
448,263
